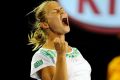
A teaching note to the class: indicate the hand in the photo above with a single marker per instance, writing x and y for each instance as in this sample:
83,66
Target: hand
60,46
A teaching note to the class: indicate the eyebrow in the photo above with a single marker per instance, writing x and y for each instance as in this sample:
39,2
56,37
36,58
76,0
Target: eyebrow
57,9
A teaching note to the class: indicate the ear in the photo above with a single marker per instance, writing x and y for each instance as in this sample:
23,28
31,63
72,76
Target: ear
44,25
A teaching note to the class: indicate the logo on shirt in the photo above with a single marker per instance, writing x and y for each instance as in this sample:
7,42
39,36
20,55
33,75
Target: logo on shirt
38,63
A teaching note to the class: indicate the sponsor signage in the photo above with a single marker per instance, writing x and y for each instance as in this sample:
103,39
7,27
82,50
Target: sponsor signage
94,15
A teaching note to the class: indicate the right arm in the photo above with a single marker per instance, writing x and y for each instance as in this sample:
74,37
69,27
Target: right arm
60,71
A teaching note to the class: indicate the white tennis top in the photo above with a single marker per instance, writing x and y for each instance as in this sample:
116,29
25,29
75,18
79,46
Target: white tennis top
78,67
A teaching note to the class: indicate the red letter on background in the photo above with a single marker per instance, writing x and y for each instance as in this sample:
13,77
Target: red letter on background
112,7
92,4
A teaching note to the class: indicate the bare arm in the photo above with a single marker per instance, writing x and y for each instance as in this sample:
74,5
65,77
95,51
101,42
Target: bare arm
60,71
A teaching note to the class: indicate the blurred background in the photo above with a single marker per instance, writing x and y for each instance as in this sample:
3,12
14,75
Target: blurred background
97,48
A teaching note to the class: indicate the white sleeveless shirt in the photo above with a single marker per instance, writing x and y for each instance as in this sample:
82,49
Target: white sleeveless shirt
78,68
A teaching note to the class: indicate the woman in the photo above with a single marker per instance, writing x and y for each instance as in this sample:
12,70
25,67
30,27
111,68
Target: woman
54,58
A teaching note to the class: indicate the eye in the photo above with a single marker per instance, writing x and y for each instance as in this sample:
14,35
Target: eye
61,10
54,11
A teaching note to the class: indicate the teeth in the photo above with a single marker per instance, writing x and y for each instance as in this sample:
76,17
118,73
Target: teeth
65,21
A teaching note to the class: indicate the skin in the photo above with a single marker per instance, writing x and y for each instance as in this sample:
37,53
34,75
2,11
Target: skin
56,31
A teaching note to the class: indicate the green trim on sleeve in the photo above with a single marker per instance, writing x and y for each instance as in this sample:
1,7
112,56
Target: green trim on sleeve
48,53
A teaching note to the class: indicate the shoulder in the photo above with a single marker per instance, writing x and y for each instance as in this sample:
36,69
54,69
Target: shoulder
36,55
40,62
44,53
43,56
75,49
76,52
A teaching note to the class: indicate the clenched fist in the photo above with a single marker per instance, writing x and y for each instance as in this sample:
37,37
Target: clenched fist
60,46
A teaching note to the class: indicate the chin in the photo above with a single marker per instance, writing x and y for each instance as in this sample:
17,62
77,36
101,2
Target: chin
67,31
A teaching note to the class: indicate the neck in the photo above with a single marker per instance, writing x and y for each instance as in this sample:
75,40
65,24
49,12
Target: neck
50,40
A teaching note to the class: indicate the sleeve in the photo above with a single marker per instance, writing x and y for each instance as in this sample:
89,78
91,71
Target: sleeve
78,53
38,62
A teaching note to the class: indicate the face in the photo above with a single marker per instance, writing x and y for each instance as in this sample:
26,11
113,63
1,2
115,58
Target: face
57,18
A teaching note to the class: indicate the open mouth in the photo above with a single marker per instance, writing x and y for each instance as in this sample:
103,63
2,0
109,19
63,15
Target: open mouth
65,21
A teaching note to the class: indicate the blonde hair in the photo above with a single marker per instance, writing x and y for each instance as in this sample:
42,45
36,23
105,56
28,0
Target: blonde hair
113,67
38,37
